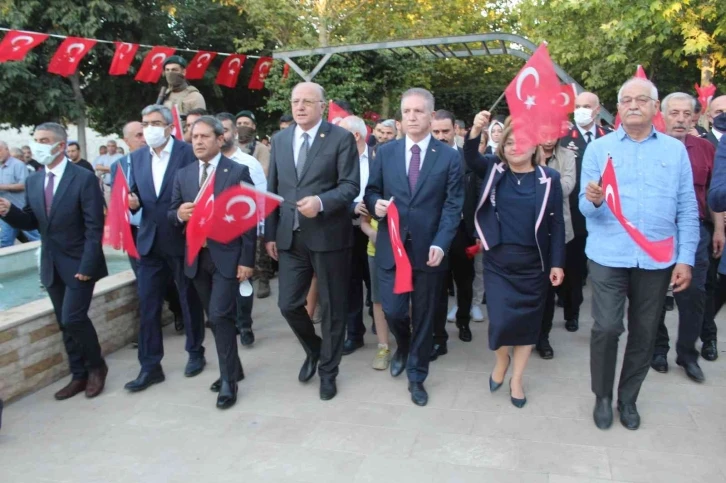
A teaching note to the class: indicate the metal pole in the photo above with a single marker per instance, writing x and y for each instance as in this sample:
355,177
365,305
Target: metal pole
491,109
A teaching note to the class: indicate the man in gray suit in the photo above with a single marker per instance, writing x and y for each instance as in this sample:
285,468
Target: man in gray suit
314,167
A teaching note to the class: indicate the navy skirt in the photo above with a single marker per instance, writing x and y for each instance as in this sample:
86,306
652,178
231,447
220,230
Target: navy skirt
516,294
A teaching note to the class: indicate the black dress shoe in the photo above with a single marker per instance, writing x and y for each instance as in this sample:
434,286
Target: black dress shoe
572,325
398,362
307,371
145,379
603,412
693,371
328,390
464,332
659,363
195,365
629,416
350,346
218,383
669,304
419,396
709,351
227,395
545,349
247,337
438,350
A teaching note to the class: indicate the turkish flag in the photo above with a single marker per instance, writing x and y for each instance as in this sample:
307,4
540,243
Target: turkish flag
240,209
117,229
201,220
262,69
199,64
661,251
566,100
153,65
69,54
658,121
336,113
705,94
122,58
229,71
404,273
530,96
177,132
285,70
16,44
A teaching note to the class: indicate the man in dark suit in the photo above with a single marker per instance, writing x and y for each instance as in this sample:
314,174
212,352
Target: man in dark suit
715,109
586,130
218,268
425,178
314,167
65,204
161,246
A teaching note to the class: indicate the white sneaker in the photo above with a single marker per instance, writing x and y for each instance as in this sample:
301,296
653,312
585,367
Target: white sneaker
451,316
476,313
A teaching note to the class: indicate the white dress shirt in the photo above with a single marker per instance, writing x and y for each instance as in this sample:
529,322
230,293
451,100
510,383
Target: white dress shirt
364,173
423,144
212,164
585,131
58,173
159,163
717,134
256,172
297,140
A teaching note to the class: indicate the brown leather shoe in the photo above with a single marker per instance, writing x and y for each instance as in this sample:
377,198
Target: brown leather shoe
73,388
96,380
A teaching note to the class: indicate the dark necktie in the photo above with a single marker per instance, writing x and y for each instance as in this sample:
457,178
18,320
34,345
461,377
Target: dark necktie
589,137
414,167
302,158
49,193
205,166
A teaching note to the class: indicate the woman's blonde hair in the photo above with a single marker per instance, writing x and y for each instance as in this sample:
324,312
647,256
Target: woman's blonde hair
508,133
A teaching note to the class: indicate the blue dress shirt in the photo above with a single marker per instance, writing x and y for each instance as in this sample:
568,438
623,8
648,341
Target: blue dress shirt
656,194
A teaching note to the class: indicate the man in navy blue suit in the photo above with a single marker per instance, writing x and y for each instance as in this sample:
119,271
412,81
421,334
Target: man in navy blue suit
64,202
161,246
424,177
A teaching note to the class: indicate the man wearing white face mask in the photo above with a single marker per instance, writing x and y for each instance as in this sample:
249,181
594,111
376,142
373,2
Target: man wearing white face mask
161,246
586,130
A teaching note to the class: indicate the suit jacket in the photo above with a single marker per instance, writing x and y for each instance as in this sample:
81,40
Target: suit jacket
549,225
371,155
430,215
332,172
575,142
155,220
226,257
71,235
712,139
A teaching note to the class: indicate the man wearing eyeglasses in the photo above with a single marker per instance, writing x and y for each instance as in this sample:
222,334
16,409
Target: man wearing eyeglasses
657,197
314,166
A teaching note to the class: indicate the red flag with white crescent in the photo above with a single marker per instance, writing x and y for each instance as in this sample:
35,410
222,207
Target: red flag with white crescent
229,70
260,73
336,113
16,44
201,220
153,65
117,228
123,57
240,209
404,273
69,54
177,131
705,94
199,64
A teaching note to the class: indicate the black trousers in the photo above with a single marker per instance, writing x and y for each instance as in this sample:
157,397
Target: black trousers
244,311
297,266
220,304
644,290
691,305
154,271
71,305
359,276
715,293
575,274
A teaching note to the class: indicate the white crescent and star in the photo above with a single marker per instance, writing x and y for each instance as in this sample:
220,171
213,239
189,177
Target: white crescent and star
240,199
232,69
128,51
394,234
160,55
27,38
526,72
79,48
264,69
203,59
567,98
610,198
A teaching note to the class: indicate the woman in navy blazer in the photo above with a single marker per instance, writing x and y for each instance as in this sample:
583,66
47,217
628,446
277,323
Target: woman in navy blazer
520,223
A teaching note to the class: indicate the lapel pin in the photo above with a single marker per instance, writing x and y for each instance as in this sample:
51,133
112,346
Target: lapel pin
433,150
322,134
225,170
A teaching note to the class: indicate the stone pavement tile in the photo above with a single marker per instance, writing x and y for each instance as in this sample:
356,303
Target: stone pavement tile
709,417
584,432
385,468
329,436
578,479
562,459
477,397
448,473
646,466
515,426
466,450
271,429
433,420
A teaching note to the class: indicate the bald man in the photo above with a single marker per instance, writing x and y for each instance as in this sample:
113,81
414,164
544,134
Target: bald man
718,106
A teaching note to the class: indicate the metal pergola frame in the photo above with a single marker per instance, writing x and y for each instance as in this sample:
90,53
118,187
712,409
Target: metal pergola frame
475,45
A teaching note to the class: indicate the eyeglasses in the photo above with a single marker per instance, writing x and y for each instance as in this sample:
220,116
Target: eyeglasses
304,102
154,123
640,100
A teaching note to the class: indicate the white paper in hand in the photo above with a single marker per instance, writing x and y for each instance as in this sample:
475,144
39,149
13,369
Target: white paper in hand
245,288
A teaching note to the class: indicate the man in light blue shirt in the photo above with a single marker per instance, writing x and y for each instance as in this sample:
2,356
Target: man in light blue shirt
12,187
657,196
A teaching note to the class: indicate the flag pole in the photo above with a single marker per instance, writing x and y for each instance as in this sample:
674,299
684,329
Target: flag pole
496,103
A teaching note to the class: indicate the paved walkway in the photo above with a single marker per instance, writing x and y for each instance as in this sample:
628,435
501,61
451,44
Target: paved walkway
280,431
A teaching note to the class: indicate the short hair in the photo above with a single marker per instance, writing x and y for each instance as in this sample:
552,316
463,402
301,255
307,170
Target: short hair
17,152
125,130
58,131
442,115
111,141
677,96
25,147
212,122
74,143
286,118
460,123
417,91
198,111
356,124
506,134
390,124
164,111
639,80
226,116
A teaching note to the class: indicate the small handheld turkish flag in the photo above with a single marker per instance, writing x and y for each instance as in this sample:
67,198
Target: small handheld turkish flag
260,73
69,54
177,131
122,58
229,70
153,65
200,222
16,44
240,209
285,71
404,273
199,64
117,229
705,94
336,113
566,101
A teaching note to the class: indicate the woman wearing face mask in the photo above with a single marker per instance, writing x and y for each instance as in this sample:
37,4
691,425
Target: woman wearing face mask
520,224
495,135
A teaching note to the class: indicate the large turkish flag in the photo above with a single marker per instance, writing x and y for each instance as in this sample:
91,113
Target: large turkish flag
69,54
153,65
16,44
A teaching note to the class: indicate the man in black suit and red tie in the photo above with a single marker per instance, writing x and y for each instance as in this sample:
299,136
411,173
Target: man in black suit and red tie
64,202
424,176
218,268
314,167
586,130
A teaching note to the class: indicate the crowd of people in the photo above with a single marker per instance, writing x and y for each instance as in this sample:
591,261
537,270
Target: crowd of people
521,228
